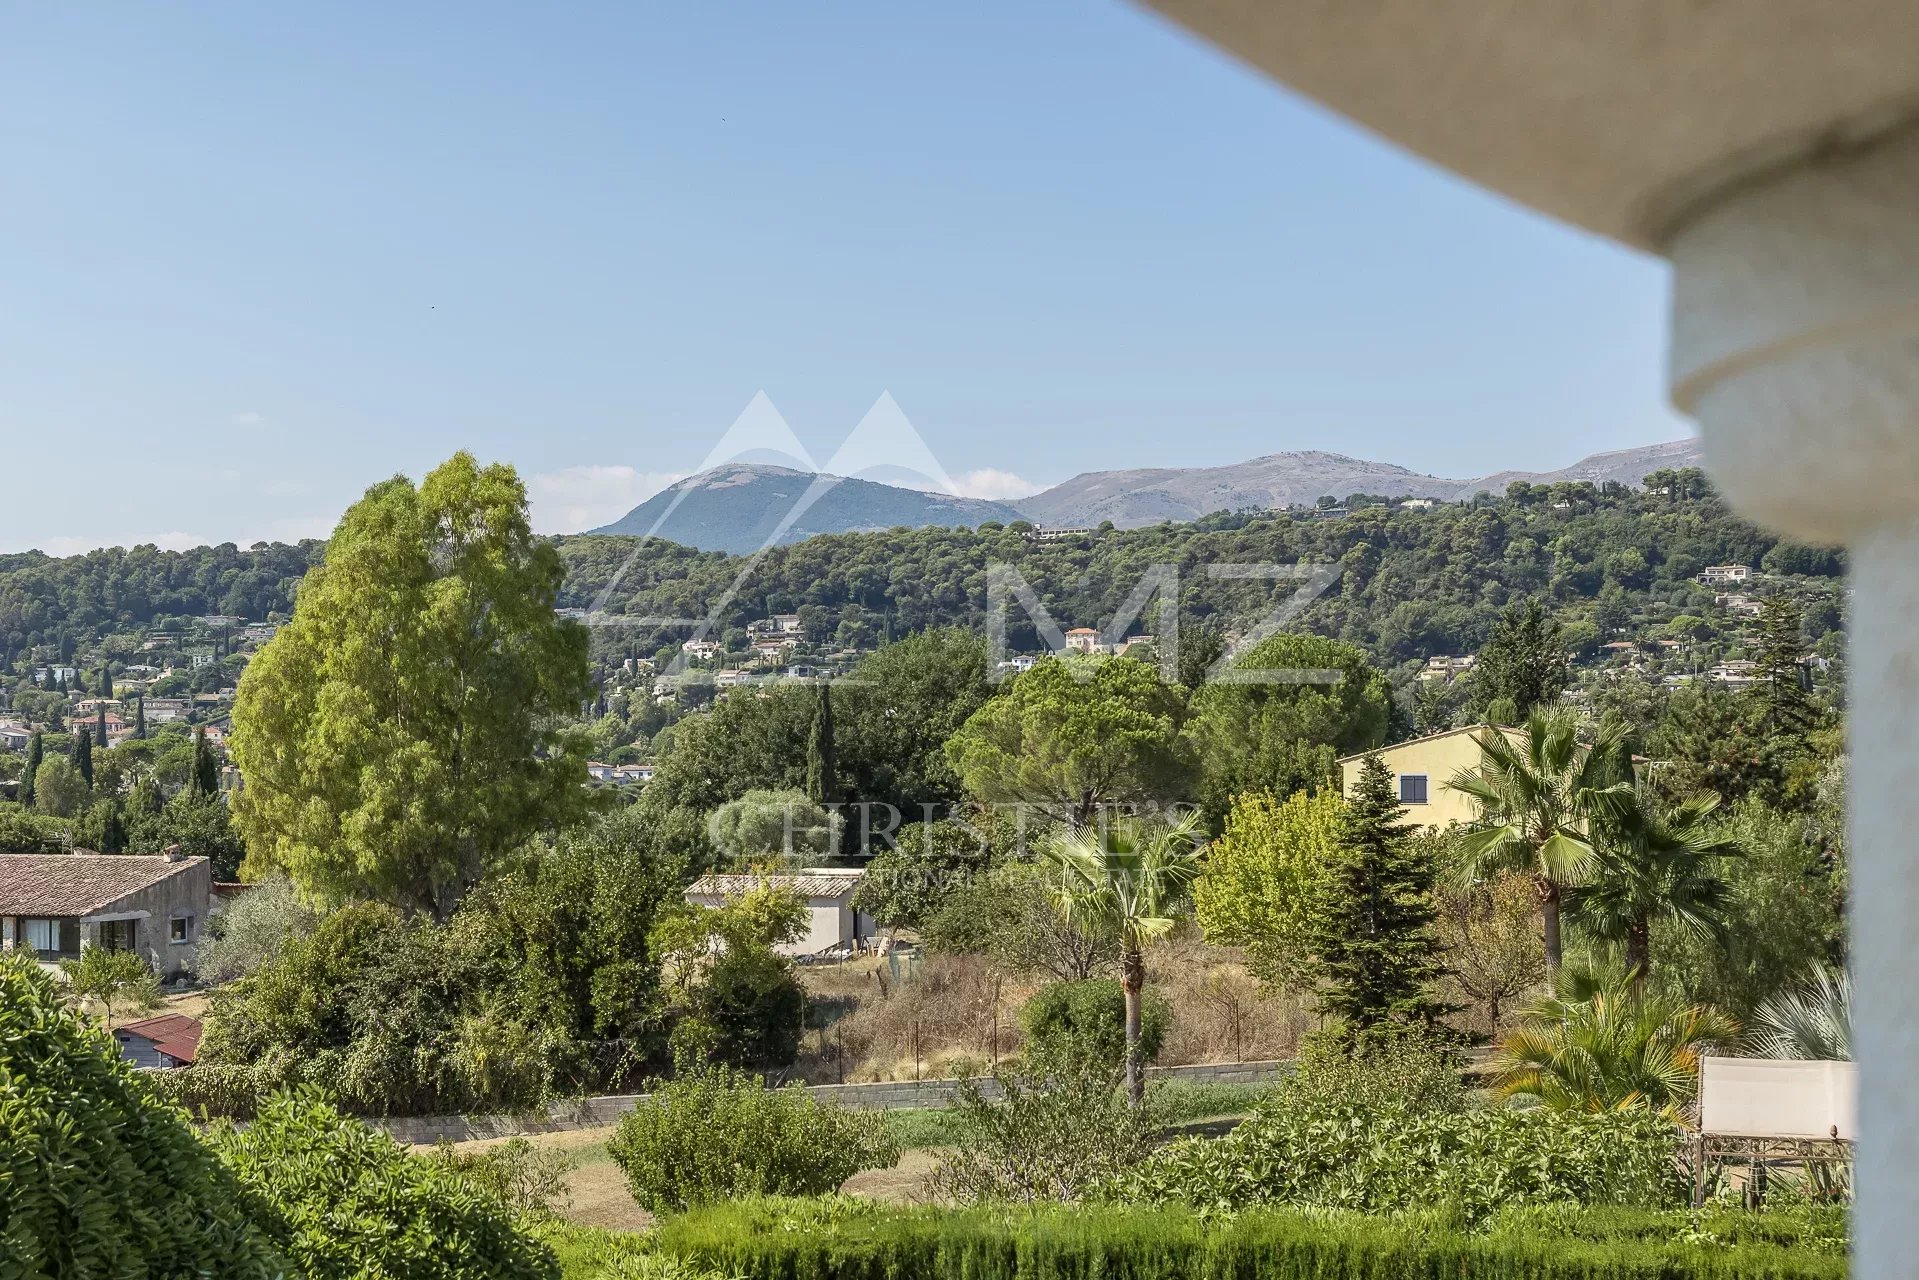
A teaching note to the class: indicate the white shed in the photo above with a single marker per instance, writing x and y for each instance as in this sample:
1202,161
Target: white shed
827,892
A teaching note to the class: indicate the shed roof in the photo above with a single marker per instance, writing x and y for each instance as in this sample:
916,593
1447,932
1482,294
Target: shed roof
174,1034
812,884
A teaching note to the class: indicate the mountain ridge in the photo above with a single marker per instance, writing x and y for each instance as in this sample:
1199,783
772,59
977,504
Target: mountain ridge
740,507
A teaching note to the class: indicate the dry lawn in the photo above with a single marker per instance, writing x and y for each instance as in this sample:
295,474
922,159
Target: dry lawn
957,1015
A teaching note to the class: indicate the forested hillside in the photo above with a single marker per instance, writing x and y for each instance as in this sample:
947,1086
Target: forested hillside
1413,583
75,602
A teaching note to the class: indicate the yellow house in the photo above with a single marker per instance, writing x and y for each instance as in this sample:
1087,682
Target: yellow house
1422,768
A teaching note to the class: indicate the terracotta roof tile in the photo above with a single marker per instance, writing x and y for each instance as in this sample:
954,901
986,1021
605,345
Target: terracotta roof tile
74,884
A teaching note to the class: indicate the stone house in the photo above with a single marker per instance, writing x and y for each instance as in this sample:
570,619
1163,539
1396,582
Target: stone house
57,903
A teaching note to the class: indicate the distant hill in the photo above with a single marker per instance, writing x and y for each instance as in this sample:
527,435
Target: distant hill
1627,466
739,509
1134,498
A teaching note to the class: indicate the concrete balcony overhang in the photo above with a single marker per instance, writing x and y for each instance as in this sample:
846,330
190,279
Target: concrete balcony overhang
1620,116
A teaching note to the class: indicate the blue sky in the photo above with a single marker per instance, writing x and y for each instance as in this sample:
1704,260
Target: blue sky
253,260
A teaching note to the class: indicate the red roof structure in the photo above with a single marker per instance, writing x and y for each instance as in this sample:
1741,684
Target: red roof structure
175,1034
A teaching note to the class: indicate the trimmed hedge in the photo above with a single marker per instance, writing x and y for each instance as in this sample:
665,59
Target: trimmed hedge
839,1239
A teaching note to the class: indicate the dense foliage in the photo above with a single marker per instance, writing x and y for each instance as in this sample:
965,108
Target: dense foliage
338,1198
95,1179
1394,1148
1088,1018
544,982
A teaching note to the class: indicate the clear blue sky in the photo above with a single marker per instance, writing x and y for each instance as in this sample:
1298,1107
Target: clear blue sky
253,260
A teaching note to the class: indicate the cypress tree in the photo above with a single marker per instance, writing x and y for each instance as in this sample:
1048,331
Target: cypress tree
113,829
106,678
82,753
1524,661
140,718
36,750
100,726
206,770
822,772
1376,956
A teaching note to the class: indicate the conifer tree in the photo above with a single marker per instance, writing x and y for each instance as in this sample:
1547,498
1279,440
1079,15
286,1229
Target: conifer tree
1785,705
82,754
36,750
206,769
1525,661
822,771
146,800
140,718
100,726
1375,953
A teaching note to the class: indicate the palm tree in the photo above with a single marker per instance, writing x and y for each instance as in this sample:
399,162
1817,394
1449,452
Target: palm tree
1133,879
1655,861
1601,1045
1812,1024
1537,798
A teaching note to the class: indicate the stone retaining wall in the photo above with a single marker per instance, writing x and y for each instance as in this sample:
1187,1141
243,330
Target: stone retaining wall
595,1113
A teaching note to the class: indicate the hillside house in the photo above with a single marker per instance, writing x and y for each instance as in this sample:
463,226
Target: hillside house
1083,640
1421,769
1737,673
56,903
1718,574
828,894
1446,668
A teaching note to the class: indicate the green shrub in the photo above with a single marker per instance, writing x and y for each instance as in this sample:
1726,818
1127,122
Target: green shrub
96,1177
824,1240
1089,1017
755,1006
721,1133
1392,1158
528,1181
593,1253
213,1090
1390,1128
1058,1128
342,1199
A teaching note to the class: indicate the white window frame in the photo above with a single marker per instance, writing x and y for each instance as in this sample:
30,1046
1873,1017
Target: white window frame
185,925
